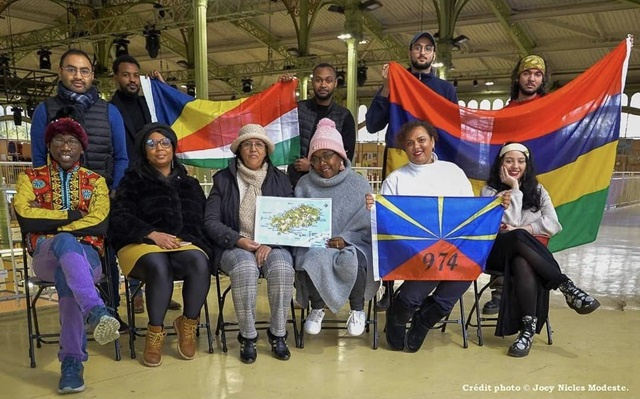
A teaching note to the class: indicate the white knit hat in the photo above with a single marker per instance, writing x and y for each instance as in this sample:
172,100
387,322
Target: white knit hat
252,131
327,137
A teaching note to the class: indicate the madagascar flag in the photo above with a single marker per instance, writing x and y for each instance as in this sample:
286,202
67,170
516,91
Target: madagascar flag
572,134
206,129
433,238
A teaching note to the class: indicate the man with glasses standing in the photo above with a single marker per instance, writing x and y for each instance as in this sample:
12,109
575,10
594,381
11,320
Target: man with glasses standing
106,153
422,55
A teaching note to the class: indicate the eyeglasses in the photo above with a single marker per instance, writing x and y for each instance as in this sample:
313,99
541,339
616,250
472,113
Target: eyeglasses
326,157
73,143
259,145
84,72
153,144
417,48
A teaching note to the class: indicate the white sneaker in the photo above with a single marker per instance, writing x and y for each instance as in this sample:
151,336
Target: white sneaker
356,322
313,325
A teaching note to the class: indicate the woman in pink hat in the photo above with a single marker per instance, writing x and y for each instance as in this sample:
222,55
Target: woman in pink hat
343,270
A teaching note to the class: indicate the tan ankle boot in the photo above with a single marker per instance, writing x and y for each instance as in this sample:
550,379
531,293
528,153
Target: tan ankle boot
152,356
186,330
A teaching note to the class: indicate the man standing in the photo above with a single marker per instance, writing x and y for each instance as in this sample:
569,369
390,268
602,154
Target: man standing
312,110
528,81
422,54
135,114
106,153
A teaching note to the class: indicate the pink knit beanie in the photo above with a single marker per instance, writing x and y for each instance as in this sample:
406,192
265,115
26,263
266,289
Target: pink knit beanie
327,137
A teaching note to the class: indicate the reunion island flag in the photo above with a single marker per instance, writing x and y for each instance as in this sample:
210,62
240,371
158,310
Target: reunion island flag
572,134
206,128
433,238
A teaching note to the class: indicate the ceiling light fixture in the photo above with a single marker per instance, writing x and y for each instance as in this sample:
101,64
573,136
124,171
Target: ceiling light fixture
44,58
247,85
345,36
489,83
152,38
437,64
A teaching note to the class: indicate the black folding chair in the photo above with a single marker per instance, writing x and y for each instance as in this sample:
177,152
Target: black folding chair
370,324
224,327
32,314
483,321
139,331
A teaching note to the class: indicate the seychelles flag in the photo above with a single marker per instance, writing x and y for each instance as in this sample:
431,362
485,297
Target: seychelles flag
572,134
433,238
206,128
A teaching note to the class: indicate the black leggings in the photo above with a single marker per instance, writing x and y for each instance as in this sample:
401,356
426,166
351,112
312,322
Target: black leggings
159,270
529,261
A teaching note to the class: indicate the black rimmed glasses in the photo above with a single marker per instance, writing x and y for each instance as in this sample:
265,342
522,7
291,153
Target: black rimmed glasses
84,72
258,145
325,157
73,143
418,48
153,144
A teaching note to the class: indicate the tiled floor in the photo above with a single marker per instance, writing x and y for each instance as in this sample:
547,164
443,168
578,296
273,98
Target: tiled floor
595,353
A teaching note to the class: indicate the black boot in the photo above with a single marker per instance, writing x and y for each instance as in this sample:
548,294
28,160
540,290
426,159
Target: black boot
577,299
248,351
384,302
522,344
424,319
398,315
279,346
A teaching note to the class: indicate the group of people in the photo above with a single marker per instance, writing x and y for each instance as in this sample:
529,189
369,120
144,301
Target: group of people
105,177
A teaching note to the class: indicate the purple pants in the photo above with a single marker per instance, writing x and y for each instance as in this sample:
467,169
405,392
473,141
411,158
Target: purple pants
75,268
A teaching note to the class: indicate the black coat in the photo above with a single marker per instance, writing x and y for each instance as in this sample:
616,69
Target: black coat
222,214
144,204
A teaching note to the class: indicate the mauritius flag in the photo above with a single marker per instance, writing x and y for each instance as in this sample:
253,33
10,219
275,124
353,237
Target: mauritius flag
572,134
206,128
433,238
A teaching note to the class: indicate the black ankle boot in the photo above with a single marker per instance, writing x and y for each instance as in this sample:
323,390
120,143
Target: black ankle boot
383,304
522,344
248,351
577,299
279,346
424,319
398,315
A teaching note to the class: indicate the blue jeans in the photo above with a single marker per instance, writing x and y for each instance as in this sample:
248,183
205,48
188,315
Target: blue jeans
74,268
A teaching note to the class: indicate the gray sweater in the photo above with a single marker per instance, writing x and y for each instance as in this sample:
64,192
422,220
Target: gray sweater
544,221
334,271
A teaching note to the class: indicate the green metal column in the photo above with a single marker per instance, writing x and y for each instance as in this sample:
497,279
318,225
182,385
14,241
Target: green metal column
201,66
352,67
303,87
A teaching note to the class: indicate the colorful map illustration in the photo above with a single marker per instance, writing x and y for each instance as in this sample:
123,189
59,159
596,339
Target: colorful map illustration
297,222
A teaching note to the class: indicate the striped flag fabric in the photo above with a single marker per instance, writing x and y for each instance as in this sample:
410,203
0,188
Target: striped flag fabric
206,128
572,134
433,238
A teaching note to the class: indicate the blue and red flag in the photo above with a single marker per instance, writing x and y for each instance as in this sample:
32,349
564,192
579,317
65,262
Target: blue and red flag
433,238
206,128
572,134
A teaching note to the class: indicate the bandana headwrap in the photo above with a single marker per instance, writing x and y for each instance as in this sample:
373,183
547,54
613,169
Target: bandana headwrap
532,62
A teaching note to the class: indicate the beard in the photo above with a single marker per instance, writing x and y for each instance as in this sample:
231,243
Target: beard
322,97
415,64
528,92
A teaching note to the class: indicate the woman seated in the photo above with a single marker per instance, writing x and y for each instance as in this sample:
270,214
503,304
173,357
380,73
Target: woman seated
230,219
423,302
530,270
343,270
157,228
65,235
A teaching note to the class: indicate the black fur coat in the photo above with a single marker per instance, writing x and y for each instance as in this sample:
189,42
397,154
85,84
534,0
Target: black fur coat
173,205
